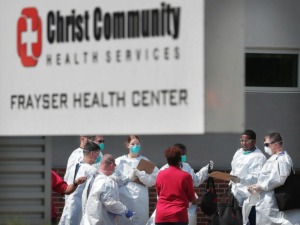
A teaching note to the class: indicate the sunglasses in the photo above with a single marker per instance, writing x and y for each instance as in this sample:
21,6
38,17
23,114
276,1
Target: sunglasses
267,144
113,163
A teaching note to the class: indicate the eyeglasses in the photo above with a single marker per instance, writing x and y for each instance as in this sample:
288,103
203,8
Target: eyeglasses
100,141
245,141
267,144
111,162
97,152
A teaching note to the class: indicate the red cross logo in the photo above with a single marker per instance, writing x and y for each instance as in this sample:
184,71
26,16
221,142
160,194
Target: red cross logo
29,37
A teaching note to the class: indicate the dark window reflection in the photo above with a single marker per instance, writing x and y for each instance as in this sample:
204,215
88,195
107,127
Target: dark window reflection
271,70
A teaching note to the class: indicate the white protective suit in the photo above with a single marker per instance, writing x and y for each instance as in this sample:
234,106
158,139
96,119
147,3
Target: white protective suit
73,209
198,179
134,195
76,157
247,168
273,174
103,205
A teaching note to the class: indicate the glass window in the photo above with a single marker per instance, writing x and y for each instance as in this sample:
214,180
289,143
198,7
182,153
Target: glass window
272,70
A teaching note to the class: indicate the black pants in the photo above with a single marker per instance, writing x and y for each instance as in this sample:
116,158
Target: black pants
252,216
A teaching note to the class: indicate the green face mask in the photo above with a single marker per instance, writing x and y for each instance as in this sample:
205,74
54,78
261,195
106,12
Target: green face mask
246,152
183,158
98,159
135,149
101,146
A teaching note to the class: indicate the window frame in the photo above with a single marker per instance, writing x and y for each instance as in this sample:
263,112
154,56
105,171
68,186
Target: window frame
273,89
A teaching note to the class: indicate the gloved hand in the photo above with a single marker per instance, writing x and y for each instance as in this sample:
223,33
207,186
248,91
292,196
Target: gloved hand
129,214
210,165
255,189
235,179
80,180
132,176
195,200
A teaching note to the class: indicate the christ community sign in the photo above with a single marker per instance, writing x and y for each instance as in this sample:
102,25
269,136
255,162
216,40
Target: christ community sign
110,67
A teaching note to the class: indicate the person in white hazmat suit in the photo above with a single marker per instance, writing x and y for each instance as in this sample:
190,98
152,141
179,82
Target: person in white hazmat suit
134,194
246,166
273,174
100,199
72,211
77,155
198,179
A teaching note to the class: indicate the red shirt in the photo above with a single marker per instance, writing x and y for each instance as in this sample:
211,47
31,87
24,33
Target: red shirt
175,190
59,186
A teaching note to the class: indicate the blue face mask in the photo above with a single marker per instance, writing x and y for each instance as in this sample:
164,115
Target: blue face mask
135,149
101,146
183,158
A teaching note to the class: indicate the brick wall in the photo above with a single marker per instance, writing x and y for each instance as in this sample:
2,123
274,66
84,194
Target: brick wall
221,187
58,200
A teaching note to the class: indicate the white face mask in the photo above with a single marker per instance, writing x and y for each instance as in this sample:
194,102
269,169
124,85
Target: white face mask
268,150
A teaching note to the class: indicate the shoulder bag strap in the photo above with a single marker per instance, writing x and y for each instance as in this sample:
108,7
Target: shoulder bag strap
90,186
210,184
226,196
76,170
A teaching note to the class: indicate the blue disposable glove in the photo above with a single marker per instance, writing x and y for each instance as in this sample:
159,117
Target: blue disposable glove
129,214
